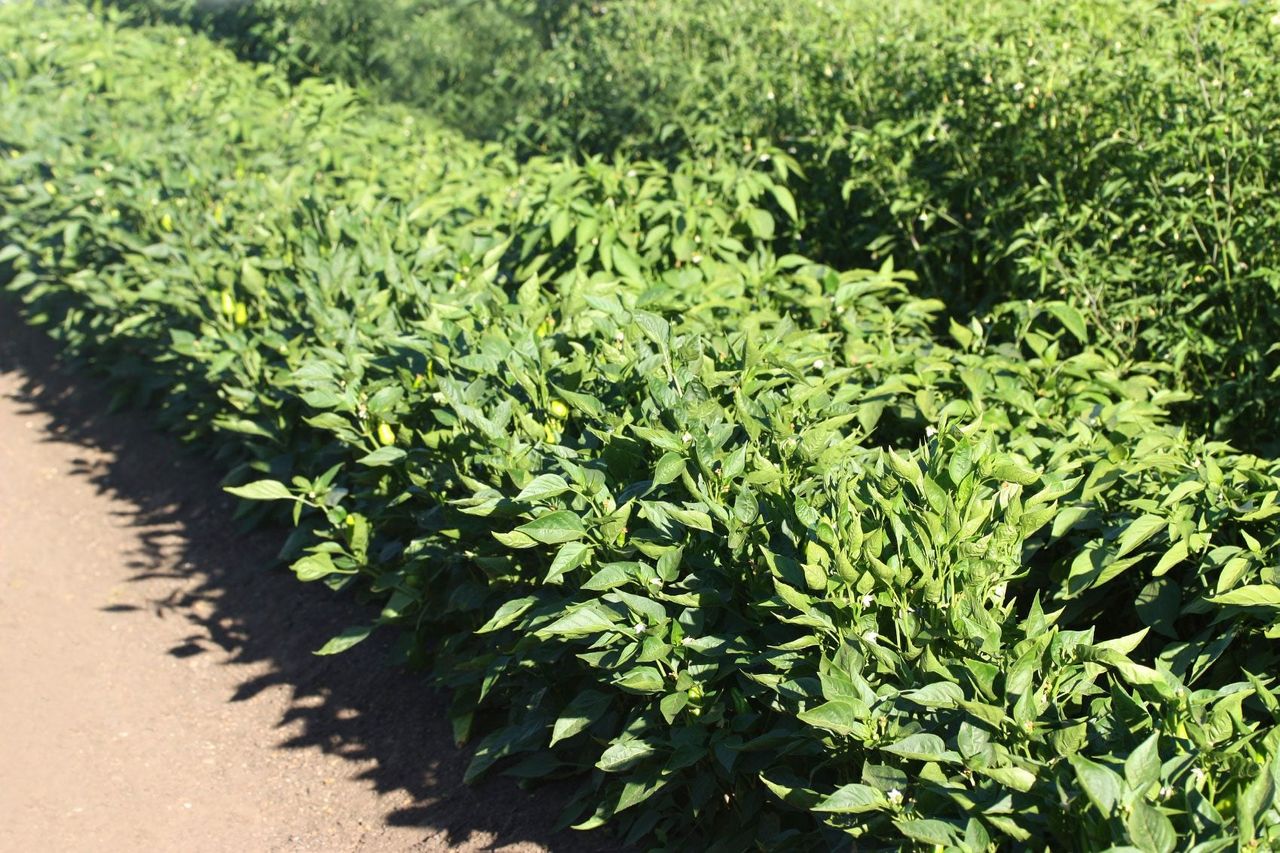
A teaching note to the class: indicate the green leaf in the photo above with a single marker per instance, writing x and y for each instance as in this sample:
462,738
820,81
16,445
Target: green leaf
792,792
608,577
654,327
542,487
634,793
1102,785
1257,798
786,201
853,798
1159,604
554,528
263,490
570,556
313,567
694,518
626,264
589,619
514,539
928,831
940,694
623,754
963,336
669,469
1017,778
561,225
382,456
1013,469
1072,319
509,612
1171,558
672,704
585,708
642,679
921,747
652,610
1142,767
1139,531
745,506
842,716
761,223
1253,595
345,640
243,425
1149,829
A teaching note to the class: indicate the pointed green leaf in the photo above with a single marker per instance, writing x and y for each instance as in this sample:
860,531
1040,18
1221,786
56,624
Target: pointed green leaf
263,490
542,487
554,528
853,799
345,640
1139,531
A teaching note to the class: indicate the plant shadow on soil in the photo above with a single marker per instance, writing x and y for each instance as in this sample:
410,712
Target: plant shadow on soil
242,605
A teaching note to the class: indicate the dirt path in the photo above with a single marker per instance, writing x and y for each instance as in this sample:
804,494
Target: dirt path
157,687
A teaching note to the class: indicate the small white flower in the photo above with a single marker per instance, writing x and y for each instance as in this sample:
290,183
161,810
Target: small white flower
686,438
686,641
697,258
641,628
769,95
894,796
870,636
1019,86
655,581
1248,93
1166,792
818,364
868,600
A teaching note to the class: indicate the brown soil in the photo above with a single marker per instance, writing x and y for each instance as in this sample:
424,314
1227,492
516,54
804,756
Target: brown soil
157,687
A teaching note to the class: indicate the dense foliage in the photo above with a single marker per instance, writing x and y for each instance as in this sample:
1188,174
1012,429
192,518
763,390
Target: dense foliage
1105,150
739,539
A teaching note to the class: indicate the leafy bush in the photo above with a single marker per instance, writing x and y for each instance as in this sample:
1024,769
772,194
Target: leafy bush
1099,150
735,537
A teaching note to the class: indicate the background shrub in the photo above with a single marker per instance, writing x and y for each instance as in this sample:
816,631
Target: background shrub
1107,152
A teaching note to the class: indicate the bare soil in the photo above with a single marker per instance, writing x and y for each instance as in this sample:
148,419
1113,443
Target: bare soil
158,689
